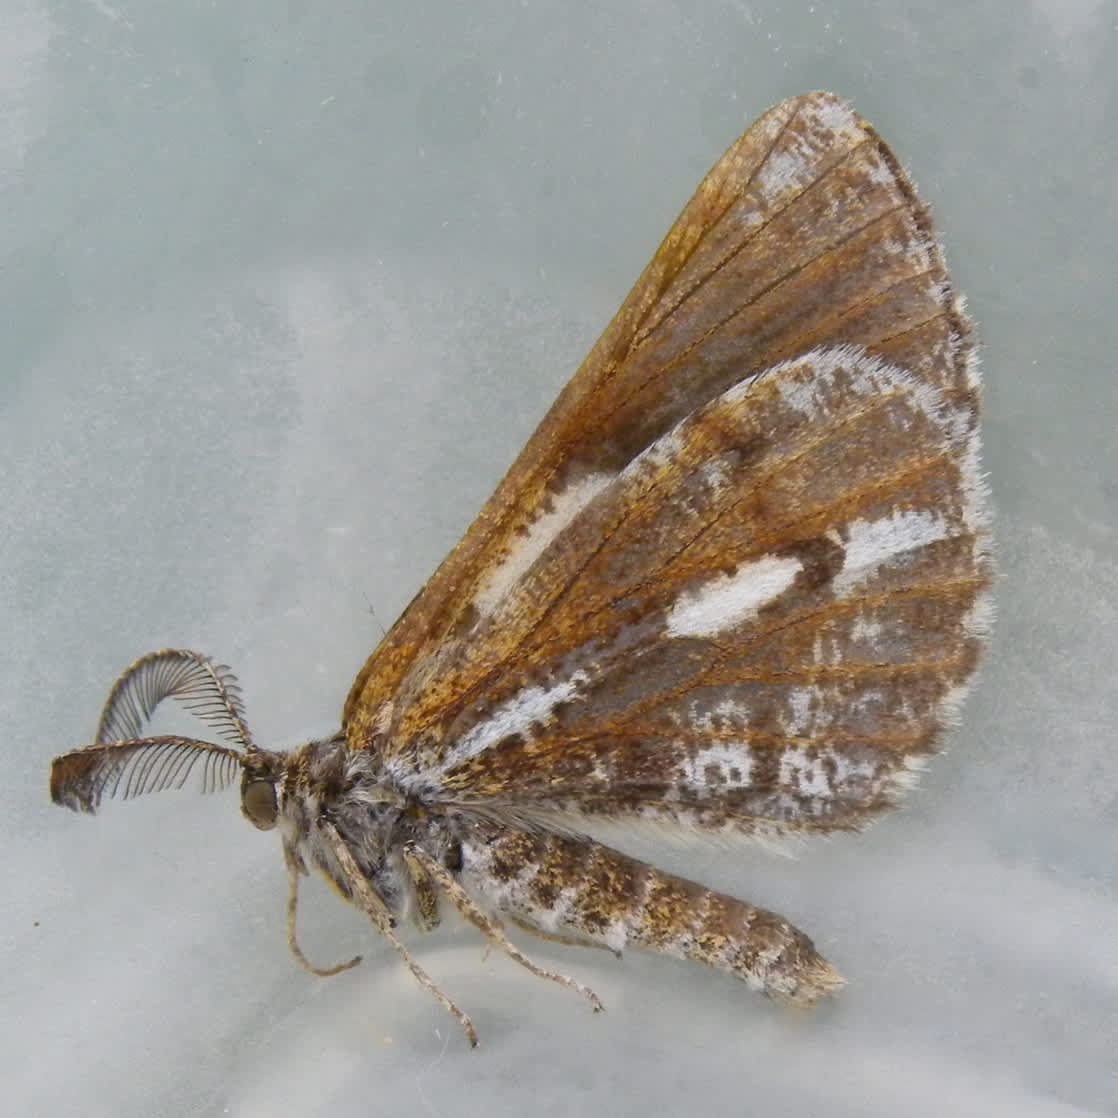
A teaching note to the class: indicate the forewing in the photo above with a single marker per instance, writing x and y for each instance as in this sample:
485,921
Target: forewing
806,233
762,623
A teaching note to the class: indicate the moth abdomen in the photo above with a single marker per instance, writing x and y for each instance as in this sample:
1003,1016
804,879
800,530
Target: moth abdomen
558,884
764,950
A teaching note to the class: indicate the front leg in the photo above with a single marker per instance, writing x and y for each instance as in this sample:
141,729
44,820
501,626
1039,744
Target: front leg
426,911
363,895
295,870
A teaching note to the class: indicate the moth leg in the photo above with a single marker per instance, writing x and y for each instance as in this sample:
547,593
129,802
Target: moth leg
554,937
378,912
426,914
295,869
487,924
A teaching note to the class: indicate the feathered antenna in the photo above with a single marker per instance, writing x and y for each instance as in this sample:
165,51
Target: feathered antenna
208,690
125,763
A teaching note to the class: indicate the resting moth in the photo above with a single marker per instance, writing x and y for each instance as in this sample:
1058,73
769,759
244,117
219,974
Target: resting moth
735,582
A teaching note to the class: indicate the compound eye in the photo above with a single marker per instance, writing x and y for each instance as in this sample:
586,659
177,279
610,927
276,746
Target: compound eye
258,803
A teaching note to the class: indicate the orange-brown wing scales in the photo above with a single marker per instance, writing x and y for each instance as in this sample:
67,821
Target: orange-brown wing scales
806,233
749,473
764,619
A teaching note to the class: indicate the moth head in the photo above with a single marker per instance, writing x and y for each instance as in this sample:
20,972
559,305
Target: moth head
260,773
124,761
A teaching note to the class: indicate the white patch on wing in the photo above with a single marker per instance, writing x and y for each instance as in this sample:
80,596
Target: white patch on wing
866,629
527,548
869,543
803,702
728,600
829,773
881,173
731,759
811,392
527,708
783,170
715,473
840,119
796,160
726,714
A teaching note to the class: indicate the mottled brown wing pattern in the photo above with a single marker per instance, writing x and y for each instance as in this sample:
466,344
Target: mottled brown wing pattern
806,233
760,625
752,592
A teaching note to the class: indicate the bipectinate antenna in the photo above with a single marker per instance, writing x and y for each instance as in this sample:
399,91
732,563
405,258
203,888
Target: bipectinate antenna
208,690
123,762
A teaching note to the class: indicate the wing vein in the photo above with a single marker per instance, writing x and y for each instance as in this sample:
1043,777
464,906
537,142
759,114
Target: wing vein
720,265
663,368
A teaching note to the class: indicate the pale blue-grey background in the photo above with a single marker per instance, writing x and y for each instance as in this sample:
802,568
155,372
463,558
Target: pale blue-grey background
285,285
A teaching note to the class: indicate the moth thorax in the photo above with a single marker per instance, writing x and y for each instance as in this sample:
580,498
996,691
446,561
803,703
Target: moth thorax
258,803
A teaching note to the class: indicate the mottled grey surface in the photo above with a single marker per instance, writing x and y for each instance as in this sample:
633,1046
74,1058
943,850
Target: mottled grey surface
285,286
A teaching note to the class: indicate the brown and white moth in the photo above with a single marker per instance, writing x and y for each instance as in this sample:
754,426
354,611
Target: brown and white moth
735,582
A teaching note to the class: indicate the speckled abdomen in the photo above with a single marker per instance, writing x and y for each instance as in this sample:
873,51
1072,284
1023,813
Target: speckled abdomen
564,885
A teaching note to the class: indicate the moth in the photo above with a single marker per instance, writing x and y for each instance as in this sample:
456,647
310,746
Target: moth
736,582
